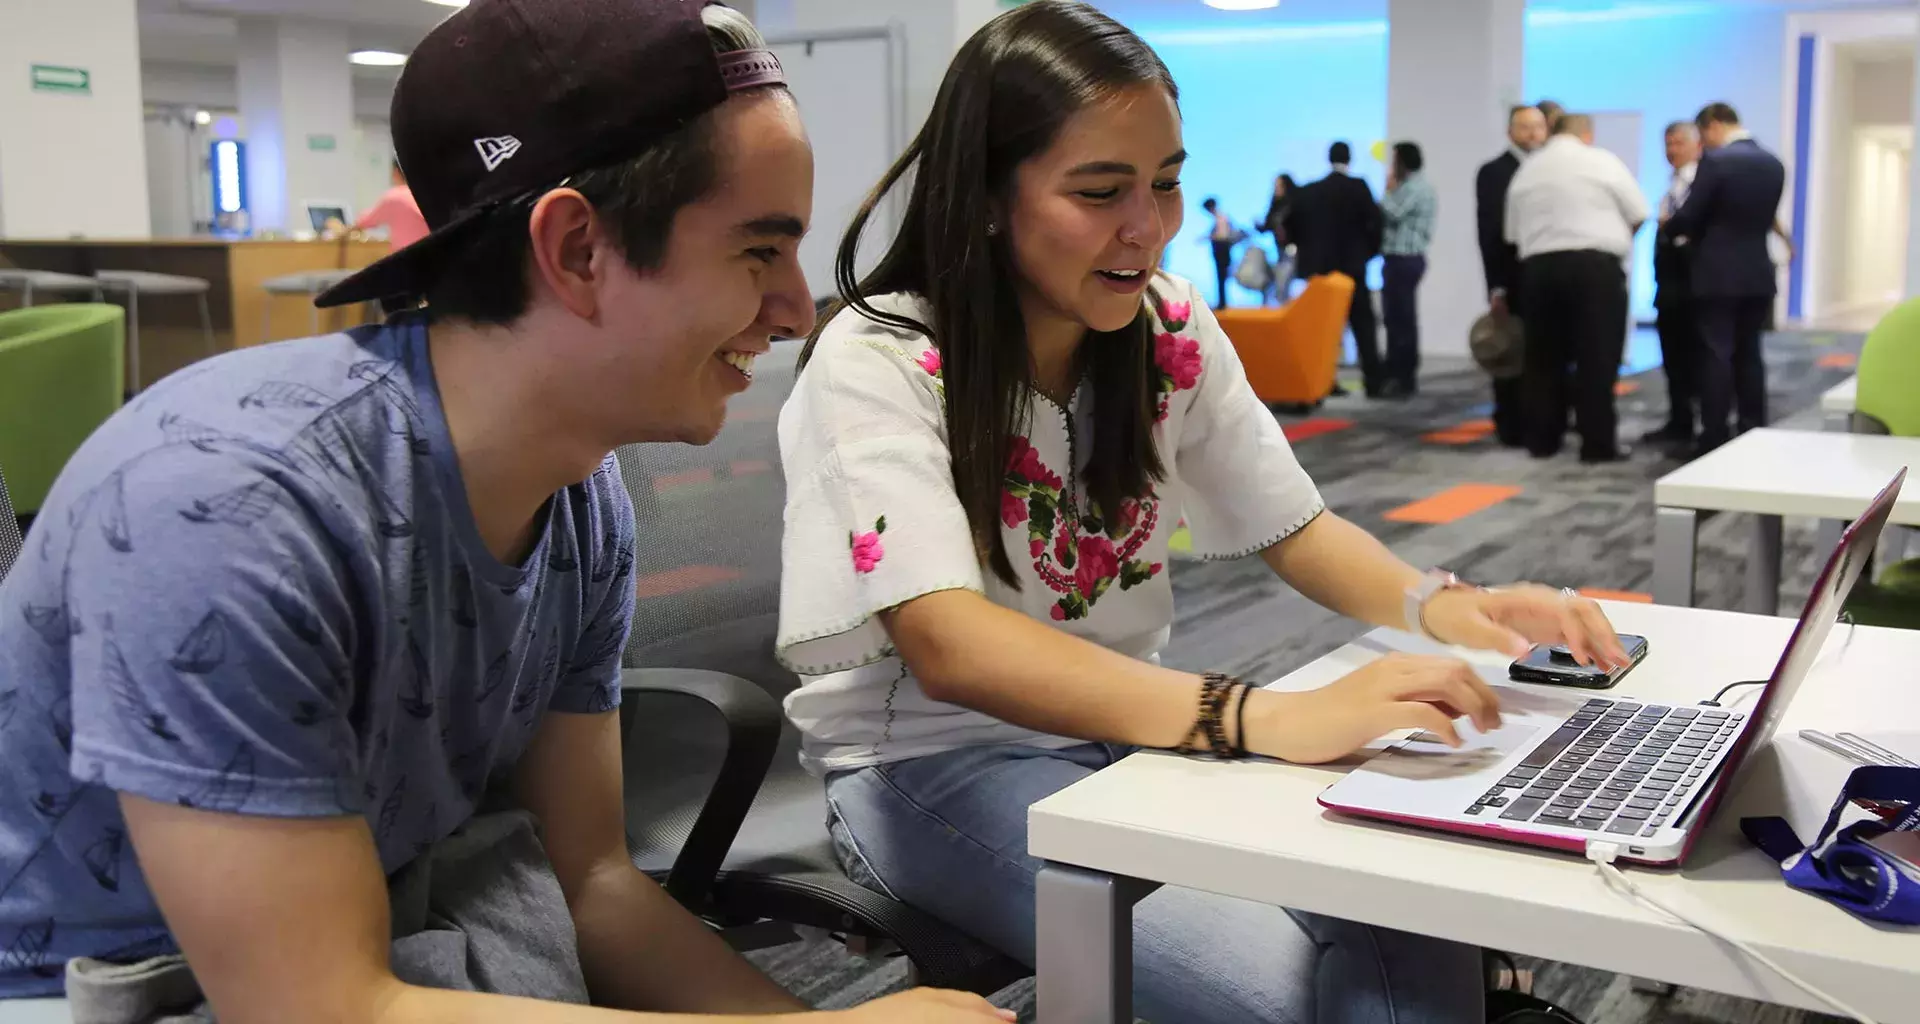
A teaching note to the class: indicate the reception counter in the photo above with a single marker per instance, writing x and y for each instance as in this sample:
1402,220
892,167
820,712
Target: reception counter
243,313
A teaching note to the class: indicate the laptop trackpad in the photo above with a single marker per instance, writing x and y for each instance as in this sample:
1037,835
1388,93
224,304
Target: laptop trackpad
1424,756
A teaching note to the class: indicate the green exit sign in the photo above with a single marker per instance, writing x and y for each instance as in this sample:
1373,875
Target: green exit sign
55,78
322,143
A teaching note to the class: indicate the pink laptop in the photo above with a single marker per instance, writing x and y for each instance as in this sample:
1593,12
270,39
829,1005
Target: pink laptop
1642,775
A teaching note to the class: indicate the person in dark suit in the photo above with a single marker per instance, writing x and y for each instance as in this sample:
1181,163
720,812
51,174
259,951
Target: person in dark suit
1499,258
1673,296
1335,226
1728,214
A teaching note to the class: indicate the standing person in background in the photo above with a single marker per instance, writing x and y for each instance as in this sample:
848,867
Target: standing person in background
1499,258
1275,224
1572,210
1552,112
396,211
1680,345
1223,236
1729,211
1335,226
1408,212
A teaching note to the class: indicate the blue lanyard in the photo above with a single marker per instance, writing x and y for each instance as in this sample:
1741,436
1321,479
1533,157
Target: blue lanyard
1843,868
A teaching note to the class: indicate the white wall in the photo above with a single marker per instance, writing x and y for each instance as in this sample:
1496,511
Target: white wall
71,164
1452,72
929,26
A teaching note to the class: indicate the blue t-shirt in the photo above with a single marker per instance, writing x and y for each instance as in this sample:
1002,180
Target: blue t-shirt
259,590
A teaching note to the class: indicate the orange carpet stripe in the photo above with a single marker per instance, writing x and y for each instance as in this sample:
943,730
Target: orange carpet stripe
1837,361
748,467
669,481
681,580
1454,503
1313,428
1625,387
1463,433
1601,594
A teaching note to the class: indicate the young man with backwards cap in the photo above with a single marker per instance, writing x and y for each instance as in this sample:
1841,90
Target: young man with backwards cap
286,617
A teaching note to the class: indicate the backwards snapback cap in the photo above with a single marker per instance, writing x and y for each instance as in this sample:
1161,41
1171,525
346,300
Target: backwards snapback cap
508,96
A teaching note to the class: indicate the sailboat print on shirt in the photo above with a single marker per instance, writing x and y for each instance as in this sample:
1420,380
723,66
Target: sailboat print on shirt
113,516
103,859
9,706
230,789
496,675
128,693
604,565
417,698
27,951
55,624
242,506
204,649
285,394
528,695
464,614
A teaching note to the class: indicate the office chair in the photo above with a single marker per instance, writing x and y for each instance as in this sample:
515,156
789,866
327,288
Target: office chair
750,854
9,530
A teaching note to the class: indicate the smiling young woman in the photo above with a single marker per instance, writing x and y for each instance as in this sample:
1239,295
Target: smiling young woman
987,452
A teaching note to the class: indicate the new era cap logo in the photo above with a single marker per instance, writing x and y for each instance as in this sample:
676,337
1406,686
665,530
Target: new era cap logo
496,149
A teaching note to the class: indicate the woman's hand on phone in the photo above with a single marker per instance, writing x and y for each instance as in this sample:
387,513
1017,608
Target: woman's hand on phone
1398,691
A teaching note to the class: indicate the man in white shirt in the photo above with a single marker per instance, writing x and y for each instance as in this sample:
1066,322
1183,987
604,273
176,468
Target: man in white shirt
1572,211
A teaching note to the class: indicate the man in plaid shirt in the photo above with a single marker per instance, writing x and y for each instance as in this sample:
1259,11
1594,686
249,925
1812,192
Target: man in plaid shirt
1408,211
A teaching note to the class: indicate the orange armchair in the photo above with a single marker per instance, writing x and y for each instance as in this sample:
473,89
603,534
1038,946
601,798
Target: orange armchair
1291,353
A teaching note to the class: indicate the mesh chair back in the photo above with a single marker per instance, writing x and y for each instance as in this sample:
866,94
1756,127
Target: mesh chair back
9,530
708,523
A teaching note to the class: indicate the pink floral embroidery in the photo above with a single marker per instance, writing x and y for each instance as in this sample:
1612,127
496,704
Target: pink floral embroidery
1013,511
1076,553
867,551
1175,355
930,361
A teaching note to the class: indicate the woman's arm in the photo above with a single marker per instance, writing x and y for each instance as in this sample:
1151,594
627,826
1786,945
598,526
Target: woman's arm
966,650
1346,569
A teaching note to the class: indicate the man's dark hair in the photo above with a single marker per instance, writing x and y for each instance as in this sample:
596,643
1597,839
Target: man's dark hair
1716,113
1517,109
1407,156
1210,204
486,281
1573,124
1339,153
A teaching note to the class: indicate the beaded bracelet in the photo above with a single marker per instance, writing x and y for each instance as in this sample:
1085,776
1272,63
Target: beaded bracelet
1208,737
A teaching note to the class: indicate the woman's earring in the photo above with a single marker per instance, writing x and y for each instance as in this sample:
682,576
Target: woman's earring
993,227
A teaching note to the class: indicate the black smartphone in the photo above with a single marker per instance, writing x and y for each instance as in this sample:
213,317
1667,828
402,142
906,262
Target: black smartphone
1553,664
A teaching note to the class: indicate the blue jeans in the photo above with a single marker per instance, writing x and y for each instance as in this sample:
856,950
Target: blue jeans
947,833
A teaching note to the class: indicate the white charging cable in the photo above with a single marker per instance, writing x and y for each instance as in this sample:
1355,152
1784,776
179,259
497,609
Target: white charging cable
1603,854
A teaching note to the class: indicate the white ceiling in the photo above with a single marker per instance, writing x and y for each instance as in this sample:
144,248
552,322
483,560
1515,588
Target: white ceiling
202,32
1165,14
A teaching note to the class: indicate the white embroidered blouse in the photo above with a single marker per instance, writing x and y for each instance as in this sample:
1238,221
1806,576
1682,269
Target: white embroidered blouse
873,521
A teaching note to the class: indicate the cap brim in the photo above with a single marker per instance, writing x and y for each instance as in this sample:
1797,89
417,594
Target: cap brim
404,274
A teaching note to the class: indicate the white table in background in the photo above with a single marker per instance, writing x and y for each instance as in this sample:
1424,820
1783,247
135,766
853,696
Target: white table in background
1837,405
1772,474
1252,830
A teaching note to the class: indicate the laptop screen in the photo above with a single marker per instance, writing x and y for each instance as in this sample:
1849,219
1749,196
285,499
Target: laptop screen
1830,590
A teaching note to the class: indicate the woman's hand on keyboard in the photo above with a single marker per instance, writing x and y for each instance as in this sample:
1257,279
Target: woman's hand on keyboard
1398,691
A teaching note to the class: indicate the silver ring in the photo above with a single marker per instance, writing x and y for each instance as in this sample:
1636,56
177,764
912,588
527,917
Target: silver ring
1568,593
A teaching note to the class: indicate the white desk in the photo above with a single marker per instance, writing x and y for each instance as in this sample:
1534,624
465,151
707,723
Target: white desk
1252,830
1772,474
1837,404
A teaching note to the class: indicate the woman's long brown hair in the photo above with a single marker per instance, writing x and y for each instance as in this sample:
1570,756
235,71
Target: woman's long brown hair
1004,100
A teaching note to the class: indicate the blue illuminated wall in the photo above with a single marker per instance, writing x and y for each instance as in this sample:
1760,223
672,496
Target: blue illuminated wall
1270,99
1263,104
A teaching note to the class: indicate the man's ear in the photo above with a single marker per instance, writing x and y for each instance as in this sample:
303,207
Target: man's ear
561,234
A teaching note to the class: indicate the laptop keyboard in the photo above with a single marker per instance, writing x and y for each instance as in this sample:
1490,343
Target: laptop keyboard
1613,766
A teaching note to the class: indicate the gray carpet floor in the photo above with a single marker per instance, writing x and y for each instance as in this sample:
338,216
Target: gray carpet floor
1571,525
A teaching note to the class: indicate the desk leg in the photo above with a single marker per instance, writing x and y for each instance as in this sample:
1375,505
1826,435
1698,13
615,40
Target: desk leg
1675,532
1085,945
1763,567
